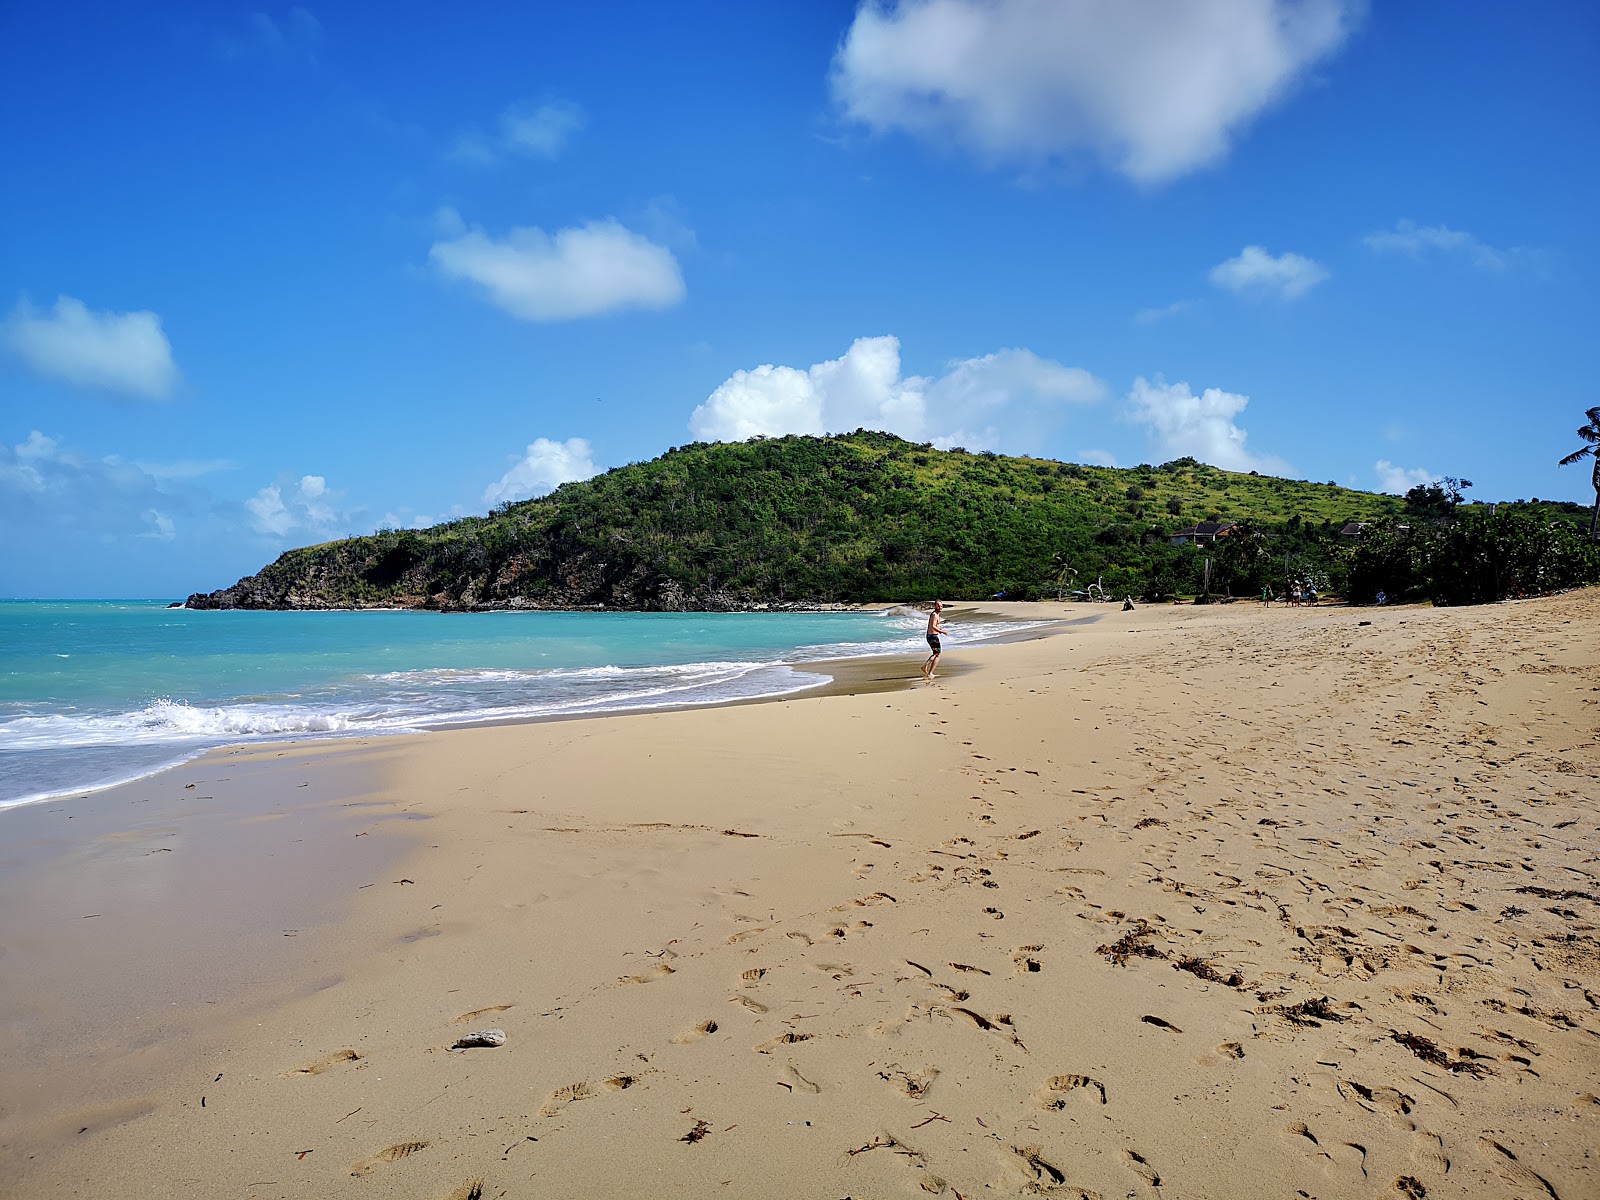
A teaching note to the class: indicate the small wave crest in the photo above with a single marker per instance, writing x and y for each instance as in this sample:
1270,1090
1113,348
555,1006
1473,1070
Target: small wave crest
166,720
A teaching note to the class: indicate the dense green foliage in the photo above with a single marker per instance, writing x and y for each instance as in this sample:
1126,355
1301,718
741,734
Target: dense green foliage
1482,553
802,520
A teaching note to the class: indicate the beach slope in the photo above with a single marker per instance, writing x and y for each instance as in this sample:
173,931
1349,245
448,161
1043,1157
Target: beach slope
1201,902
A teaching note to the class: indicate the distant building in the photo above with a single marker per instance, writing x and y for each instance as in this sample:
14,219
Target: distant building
1201,532
1354,529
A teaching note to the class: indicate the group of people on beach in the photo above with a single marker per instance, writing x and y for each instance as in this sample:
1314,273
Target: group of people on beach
1295,593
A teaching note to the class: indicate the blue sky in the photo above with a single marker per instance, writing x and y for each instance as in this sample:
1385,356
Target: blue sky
276,275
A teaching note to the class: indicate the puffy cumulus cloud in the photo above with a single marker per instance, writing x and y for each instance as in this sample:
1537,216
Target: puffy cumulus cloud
1200,426
1254,272
583,271
977,403
1419,241
1400,480
537,131
1155,88
544,466
299,507
118,352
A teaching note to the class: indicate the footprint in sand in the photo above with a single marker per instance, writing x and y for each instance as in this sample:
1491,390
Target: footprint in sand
563,1096
467,1017
1378,1099
1027,964
1137,1163
892,1028
1427,1151
326,1063
1038,1169
470,1190
1513,1171
621,1083
388,1154
1052,1096
749,1002
659,971
797,1082
912,1087
694,1034
753,975
783,1039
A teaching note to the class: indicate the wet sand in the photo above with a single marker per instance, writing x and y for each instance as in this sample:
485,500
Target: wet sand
1197,902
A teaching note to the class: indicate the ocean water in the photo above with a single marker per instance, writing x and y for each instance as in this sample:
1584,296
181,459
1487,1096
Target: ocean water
95,692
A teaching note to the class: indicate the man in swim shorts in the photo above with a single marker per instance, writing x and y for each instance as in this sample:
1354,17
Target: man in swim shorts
935,628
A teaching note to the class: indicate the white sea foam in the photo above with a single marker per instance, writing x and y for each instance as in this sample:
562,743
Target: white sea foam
74,749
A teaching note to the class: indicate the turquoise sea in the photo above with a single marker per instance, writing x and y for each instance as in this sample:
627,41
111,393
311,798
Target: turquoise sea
94,692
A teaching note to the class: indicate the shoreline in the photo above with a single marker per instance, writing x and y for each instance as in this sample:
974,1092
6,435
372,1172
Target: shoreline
605,890
807,667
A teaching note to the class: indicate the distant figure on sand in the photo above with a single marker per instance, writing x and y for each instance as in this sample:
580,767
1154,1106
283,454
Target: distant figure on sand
935,628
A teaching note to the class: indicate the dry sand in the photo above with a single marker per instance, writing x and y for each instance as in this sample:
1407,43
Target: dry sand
1190,902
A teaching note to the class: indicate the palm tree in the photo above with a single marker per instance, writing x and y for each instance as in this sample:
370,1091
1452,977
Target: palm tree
1061,560
1591,434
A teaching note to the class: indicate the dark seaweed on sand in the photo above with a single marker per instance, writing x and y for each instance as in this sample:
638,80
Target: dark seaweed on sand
1308,1013
1133,944
1545,893
1200,967
701,1128
1430,1053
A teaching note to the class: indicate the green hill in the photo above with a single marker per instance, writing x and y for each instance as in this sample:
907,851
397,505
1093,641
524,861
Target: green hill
803,520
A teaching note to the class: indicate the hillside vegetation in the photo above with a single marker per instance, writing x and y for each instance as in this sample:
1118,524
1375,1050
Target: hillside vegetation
804,521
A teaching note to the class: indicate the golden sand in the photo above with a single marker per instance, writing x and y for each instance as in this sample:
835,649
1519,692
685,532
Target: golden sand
1190,902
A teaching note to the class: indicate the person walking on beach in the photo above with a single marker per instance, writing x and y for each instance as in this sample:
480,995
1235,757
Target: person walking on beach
935,628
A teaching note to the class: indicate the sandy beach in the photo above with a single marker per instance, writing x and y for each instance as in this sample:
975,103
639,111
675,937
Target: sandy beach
1220,902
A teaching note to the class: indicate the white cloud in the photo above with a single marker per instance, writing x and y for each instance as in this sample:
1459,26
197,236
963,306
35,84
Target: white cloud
544,466
1417,241
407,519
1155,89
53,496
1150,316
187,468
118,352
161,526
1098,458
1199,426
1254,272
584,271
538,131
303,506
976,403
1400,480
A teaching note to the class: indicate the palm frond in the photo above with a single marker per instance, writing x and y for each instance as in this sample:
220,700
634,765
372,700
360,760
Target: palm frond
1576,455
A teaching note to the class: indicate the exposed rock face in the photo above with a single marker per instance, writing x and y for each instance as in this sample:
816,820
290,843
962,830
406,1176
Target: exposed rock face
323,578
